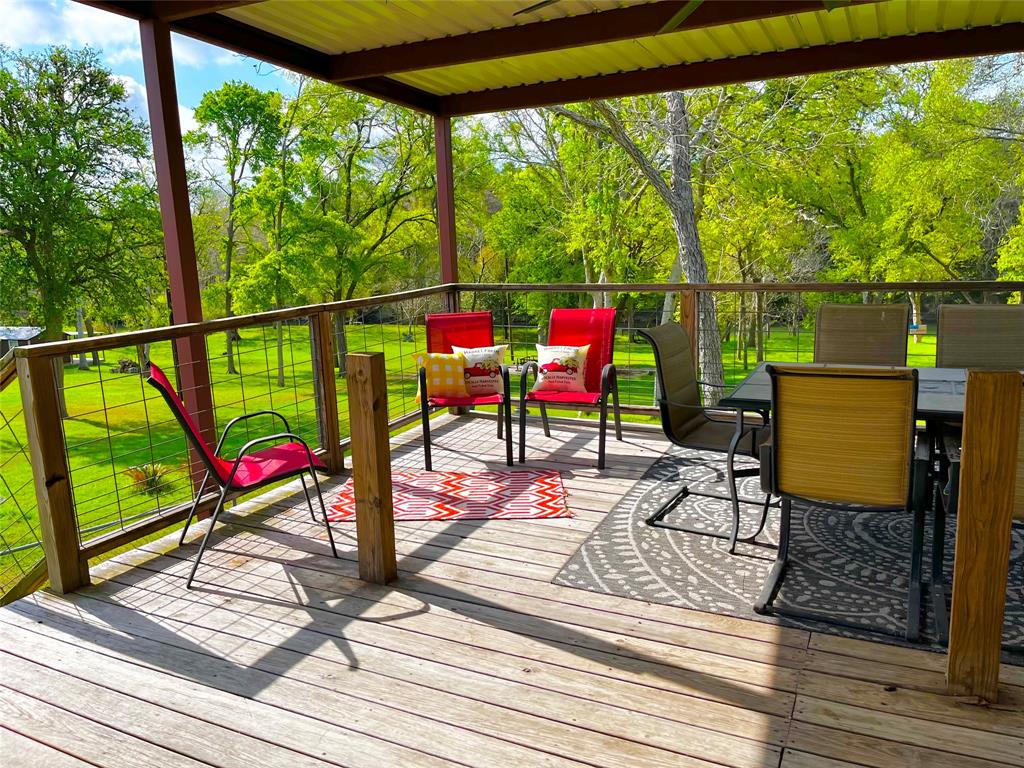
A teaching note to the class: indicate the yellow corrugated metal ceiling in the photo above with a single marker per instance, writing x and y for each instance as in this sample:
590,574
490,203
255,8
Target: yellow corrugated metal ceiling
345,26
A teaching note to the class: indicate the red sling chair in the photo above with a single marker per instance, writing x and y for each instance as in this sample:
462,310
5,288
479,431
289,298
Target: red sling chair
463,329
576,327
247,471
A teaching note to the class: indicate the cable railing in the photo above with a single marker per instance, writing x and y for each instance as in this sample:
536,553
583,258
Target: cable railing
115,463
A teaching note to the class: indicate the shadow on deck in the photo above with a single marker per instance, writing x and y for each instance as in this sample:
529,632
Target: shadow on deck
280,656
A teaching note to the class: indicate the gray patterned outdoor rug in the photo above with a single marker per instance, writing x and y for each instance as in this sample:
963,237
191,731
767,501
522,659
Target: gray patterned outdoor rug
851,565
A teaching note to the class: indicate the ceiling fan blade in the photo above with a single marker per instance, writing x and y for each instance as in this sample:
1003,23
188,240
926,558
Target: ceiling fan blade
680,16
535,7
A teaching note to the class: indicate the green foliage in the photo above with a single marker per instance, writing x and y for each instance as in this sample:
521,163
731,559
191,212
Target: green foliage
77,213
151,479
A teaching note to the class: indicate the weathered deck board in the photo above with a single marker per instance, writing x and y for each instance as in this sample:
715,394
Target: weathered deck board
282,657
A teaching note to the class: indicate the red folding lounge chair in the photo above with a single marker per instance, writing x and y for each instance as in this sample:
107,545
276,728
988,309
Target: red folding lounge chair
574,328
463,329
247,471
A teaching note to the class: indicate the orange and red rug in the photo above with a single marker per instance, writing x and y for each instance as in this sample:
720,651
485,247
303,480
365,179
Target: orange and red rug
500,495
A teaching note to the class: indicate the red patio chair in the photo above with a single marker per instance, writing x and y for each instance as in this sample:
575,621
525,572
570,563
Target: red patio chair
576,327
247,471
463,329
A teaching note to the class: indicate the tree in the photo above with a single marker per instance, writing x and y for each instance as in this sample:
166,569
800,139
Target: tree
615,119
367,167
77,214
239,126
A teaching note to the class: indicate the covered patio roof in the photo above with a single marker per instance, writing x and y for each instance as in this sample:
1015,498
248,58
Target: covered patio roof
458,57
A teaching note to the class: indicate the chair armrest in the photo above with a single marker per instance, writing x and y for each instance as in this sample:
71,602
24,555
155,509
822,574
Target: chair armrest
609,379
527,367
244,450
230,424
709,384
506,384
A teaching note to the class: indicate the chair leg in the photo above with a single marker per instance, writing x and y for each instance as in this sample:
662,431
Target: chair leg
425,418
501,422
506,415
522,431
323,507
206,537
544,419
192,511
616,411
913,629
937,588
778,572
602,433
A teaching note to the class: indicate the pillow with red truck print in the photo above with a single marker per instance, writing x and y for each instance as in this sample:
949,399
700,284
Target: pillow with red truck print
483,369
561,369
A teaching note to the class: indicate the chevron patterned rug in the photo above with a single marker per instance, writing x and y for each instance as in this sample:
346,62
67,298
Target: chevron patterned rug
421,495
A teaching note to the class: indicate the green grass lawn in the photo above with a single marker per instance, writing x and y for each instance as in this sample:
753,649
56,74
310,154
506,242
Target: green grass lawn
116,422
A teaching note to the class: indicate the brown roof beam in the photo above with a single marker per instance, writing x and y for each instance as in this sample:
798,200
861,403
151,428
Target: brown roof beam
978,41
536,37
166,10
250,41
175,10
247,40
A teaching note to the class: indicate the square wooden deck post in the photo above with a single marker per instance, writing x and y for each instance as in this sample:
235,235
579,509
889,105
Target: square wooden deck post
58,525
371,466
988,474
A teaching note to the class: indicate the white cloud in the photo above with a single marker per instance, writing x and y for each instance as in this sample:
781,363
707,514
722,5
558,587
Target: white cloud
188,119
61,22
53,22
137,103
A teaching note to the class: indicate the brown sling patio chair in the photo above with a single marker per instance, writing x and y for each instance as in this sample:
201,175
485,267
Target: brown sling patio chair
845,437
987,336
861,334
689,425
980,336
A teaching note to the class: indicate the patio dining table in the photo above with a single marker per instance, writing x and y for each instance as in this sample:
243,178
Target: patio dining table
940,392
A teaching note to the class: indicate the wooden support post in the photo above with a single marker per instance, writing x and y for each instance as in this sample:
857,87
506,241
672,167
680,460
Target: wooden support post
988,468
321,328
57,523
176,218
449,252
688,319
371,467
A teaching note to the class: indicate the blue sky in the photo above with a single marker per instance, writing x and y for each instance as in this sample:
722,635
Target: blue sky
36,24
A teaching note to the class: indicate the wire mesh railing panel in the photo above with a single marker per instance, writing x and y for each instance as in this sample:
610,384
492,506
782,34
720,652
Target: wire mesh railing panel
126,453
20,548
397,330
271,370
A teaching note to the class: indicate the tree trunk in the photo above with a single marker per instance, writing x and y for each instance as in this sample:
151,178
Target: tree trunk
53,330
279,328
915,311
83,363
229,250
690,256
90,332
759,302
341,341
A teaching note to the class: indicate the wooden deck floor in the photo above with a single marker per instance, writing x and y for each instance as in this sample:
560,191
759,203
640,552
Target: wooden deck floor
282,658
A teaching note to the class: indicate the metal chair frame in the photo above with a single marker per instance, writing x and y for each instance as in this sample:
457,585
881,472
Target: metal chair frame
227,484
918,460
743,429
504,408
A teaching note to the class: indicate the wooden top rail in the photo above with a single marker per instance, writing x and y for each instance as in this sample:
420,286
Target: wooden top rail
987,286
133,338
